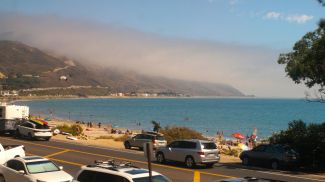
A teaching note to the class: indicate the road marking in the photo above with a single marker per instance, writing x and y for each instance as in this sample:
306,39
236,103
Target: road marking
57,153
97,147
119,158
67,162
196,176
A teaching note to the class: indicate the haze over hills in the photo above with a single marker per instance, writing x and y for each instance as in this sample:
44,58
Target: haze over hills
23,66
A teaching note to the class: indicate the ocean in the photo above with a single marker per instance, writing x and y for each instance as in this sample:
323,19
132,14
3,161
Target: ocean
206,115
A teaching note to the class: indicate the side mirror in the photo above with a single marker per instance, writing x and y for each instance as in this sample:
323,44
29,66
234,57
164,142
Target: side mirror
61,168
22,172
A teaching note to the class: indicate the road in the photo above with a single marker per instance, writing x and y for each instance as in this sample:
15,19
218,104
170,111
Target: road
72,156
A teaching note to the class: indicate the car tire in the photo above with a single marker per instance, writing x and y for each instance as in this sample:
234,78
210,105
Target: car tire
160,157
274,164
30,137
189,162
209,165
2,178
127,145
245,161
18,135
47,139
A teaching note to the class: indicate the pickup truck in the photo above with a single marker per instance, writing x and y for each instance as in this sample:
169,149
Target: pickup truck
8,152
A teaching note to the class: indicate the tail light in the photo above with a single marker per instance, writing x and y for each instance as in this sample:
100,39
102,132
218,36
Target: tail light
153,141
200,153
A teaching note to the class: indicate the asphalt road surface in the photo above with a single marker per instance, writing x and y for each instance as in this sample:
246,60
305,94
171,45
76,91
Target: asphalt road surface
72,156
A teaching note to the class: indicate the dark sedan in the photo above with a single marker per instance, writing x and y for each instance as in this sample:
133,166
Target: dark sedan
274,156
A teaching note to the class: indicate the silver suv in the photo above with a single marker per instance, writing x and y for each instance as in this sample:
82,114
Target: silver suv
158,140
191,152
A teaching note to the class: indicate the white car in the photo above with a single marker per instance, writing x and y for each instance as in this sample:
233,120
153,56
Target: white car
32,169
8,152
119,172
34,131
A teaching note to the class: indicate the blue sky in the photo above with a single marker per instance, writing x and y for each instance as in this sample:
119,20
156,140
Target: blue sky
236,42
247,22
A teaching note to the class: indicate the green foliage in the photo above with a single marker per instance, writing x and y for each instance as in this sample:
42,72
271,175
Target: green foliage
306,63
74,129
173,133
307,140
156,126
21,83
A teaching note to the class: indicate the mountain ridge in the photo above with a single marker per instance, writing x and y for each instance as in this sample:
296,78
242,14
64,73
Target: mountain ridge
23,66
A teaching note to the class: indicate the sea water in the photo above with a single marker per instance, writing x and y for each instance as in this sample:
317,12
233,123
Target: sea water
206,115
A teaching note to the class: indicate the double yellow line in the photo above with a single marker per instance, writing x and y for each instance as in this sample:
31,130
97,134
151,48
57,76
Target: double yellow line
65,150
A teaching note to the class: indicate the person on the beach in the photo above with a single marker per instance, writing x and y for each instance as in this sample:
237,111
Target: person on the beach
99,124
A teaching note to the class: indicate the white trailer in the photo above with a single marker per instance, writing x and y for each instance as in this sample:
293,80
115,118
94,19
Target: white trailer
11,116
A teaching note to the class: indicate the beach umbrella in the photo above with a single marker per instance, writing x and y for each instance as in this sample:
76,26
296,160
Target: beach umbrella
238,135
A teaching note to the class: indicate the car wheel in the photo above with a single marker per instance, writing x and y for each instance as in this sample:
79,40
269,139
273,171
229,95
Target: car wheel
30,137
127,145
2,178
47,139
160,157
18,134
209,165
189,162
274,164
245,161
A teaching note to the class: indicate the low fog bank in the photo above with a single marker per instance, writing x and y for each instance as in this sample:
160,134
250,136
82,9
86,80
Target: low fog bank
252,70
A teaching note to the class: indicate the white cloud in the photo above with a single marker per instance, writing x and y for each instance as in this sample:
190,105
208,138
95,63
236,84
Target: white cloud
272,15
299,18
296,18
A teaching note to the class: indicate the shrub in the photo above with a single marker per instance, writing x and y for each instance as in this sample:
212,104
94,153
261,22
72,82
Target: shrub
173,133
74,129
307,140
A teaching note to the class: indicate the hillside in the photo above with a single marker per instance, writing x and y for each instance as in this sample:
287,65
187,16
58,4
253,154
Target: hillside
23,67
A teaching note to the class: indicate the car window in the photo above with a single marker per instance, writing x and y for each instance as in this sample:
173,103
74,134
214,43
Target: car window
158,178
86,176
187,145
158,137
148,137
139,136
270,149
175,144
15,165
41,167
260,148
104,177
209,145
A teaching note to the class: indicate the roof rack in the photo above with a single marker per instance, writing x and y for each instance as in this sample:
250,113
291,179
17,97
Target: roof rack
112,165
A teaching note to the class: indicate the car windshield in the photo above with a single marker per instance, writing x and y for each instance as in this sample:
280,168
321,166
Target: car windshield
41,167
158,178
209,145
160,137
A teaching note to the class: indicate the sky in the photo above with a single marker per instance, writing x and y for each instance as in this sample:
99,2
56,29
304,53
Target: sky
236,42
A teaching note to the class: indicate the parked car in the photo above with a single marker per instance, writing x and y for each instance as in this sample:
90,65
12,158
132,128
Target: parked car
274,156
33,169
34,131
191,152
8,152
158,140
103,171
